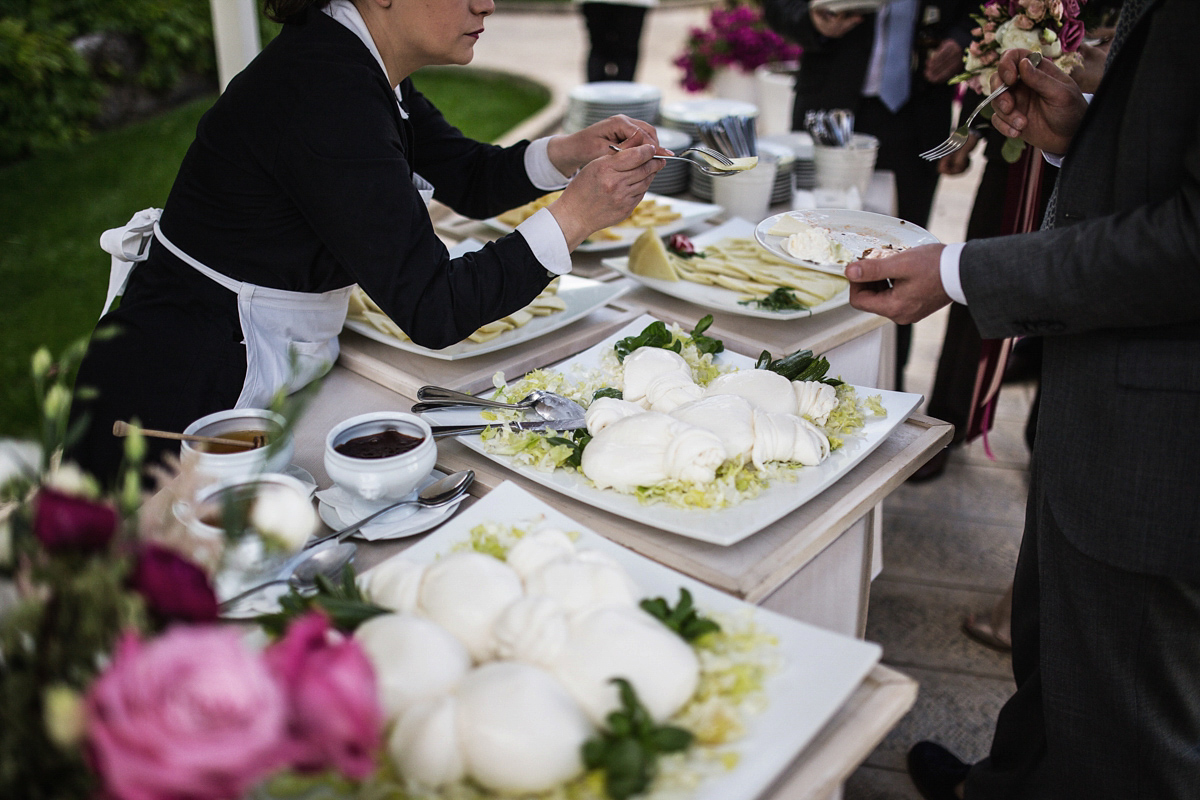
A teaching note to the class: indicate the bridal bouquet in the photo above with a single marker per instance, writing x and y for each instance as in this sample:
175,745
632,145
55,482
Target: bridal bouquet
738,37
117,680
1050,27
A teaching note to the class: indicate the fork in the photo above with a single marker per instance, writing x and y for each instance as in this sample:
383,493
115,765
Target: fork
958,137
719,157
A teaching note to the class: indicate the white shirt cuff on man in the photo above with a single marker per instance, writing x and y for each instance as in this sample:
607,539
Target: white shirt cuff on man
951,280
539,167
547,242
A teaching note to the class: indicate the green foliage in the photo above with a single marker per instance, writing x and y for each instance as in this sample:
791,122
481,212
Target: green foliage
682,619
628,752
343,602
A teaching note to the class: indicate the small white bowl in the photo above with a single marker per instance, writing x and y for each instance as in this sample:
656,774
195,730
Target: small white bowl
380,479
275,457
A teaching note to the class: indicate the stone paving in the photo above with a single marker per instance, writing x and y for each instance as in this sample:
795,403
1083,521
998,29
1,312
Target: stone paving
950,545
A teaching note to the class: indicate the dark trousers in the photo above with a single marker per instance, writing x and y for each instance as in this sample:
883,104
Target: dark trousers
615,32
1107,665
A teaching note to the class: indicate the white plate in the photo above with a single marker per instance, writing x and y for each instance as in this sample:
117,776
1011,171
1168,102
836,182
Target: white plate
849,6
857,230
615,92
582,296
819,669
338,509
718,298
723,526
690,212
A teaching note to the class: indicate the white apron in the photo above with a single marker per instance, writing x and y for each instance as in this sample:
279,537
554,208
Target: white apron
290,337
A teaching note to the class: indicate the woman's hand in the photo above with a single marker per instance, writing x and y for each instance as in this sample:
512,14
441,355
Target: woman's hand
833,25
945,62
570,153
1044,106
605,191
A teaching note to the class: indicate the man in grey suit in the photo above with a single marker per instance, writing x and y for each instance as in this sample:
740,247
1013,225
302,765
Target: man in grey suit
1106,614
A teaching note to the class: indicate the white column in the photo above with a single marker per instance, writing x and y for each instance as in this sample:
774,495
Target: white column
235,34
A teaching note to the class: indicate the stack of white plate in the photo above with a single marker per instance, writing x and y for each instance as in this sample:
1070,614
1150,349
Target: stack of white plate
781,192
802,145
673,177
589,103
684,114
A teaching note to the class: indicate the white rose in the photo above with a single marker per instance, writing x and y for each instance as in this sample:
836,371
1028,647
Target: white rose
284,515
1009,36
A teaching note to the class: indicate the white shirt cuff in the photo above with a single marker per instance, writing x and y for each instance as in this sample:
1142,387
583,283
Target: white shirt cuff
539,168
951,280
1056,159
547,242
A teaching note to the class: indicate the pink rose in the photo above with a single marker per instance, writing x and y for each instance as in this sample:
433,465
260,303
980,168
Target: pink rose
173,587
992,11
1055,9
63,522
192,714
1071,35
1023,22
1071,7
990,57
989,37
975,49
1035,10
336,720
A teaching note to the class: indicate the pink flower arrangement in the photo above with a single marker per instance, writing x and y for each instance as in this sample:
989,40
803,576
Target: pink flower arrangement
735,38
1051,27
65,522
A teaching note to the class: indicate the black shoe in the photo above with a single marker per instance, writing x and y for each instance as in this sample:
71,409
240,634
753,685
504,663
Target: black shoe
931,468
935,771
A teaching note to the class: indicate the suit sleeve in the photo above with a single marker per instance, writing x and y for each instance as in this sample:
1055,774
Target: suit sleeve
348,172
1138,267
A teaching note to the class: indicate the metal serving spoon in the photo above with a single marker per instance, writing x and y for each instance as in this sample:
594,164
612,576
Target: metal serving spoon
439,493
328,562
547,405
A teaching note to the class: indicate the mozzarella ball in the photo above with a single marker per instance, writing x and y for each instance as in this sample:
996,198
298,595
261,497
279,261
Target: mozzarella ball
395,584
766,390
414,659
626,643
671,390
729,416
465,593
814,400
604,411
539,548
645,365
589,580
519,729
424,744
533,630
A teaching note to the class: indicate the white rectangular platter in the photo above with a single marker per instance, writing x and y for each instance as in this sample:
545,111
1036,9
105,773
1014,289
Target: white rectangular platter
691,213
724,526
582,296
819,669
718,298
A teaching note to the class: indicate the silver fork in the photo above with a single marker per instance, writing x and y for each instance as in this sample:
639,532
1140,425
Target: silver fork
717,156
958,137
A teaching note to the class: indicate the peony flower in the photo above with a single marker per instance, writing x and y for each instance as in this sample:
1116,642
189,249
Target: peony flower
193,714
64,522
173,587
336,719
1009,36
1071,35
284,516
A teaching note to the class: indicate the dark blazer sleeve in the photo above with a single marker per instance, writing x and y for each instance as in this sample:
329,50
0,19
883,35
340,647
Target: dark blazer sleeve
351,178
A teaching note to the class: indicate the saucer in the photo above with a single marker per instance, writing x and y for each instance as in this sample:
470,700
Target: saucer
338,508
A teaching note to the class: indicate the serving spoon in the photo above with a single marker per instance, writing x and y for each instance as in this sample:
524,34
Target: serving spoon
440,493
547,405
327,562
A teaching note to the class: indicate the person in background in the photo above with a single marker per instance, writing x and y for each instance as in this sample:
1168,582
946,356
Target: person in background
310,174
1106,597
890,68
614,36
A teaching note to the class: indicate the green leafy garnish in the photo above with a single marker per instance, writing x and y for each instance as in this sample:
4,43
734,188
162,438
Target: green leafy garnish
801,365
782,299
655,334
706,344
343,603
607,391
628,752
578,441
682,619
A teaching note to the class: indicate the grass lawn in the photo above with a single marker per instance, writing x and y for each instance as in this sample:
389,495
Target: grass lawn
53,209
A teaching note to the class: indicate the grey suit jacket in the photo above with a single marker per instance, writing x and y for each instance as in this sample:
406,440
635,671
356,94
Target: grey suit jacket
1115,290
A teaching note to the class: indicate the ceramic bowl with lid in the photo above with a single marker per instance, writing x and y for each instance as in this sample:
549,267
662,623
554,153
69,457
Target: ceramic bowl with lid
222,463
380,456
